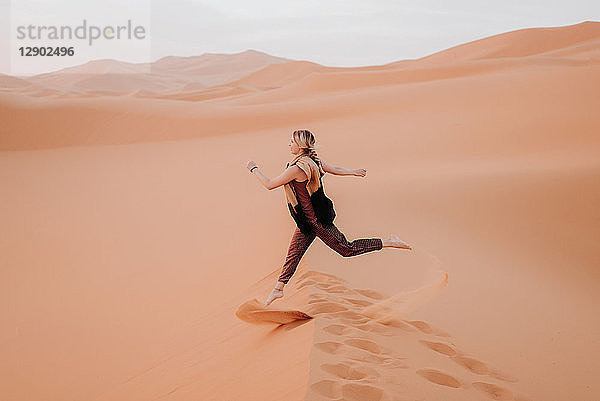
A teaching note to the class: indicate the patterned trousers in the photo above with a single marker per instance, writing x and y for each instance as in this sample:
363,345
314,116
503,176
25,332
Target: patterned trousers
333,238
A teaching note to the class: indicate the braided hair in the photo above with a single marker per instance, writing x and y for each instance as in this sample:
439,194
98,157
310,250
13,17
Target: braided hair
306,141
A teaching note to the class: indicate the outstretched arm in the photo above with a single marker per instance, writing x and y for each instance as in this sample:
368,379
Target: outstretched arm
288,175
335,170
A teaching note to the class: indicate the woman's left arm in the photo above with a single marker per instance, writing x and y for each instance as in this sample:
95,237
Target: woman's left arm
328,168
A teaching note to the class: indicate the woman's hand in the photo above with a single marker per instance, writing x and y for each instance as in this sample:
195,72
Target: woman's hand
360,172
250,164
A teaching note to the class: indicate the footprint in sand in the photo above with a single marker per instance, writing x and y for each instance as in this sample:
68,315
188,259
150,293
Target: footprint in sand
440,333
424,327
471,364
392,322
435,376
363,392
502,376
351,391
427,329
494,392
344,371
375,327
359,355
439,347
330,347
328,388
481,368
338,329
366,345
371,294
353,353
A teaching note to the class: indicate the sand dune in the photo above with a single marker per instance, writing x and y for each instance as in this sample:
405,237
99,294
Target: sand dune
277,75
132,269
537,109
215,69
167,75
521,43
8,82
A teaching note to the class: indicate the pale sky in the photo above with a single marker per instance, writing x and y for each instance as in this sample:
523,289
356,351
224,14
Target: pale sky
332,32
350,32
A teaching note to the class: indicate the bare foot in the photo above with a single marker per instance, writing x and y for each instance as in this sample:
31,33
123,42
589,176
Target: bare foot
396,242
274,295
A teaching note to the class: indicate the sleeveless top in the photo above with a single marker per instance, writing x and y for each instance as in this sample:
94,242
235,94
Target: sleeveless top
304,200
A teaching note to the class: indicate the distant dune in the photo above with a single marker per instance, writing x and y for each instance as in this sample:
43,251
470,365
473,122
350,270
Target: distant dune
8,82
167,74
523,43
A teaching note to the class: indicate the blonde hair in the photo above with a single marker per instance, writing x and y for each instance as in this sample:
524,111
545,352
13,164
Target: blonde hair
306,141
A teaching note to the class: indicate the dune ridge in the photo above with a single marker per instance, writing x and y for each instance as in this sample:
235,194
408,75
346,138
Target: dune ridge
521,43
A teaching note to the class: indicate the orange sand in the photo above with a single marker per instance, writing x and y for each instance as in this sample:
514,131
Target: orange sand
127,250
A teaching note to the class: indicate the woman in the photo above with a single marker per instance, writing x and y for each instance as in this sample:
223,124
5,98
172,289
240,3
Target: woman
311,209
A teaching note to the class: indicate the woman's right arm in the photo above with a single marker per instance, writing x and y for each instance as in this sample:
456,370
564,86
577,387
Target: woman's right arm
288,175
